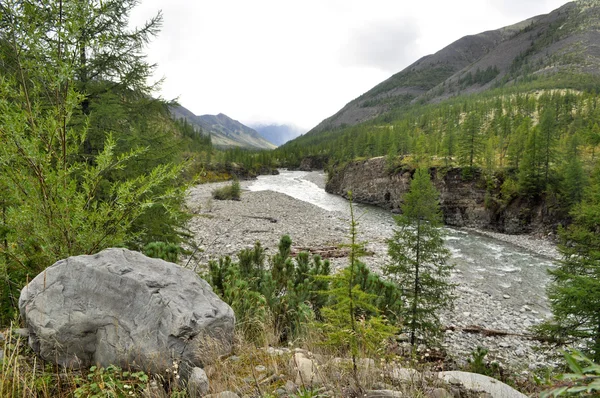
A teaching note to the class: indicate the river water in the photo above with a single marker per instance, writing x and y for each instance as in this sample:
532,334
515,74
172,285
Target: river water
500,270
500,286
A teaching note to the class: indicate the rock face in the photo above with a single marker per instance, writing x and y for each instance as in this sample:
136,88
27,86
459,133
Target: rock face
120,307
463,202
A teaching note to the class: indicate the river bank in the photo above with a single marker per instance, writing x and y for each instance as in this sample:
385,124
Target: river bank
499,296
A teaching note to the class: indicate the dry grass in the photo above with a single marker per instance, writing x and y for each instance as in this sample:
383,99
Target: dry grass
250,370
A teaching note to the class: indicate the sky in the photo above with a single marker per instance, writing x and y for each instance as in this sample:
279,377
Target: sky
299,62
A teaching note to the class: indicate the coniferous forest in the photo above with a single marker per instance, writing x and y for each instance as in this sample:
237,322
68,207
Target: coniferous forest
90,159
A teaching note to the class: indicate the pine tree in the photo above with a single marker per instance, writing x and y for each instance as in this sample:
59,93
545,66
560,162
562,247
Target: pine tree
419,259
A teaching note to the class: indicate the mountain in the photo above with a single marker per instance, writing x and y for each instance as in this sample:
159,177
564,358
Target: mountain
224,131
278,134
565,43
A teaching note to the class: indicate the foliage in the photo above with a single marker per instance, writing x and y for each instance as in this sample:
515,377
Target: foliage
87,159
230,192
351,322
111,382
282,297
575,289
584,381
478,364
165,251
419,259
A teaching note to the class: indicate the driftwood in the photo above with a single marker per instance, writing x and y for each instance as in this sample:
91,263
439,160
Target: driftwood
324,252
474,329
271,219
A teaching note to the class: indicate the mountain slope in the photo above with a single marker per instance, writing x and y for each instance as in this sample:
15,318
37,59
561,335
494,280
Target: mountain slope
278,134
225,132
565,41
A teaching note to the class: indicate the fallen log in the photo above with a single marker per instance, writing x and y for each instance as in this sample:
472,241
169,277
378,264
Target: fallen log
324,252
474,329
271,219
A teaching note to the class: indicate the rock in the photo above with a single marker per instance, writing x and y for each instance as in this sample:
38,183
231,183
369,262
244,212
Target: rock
154,391
506,296
260,368
290,387
120,307
197,384
383,393
224,394
281,392
361,363
477,382
440,393
24,333
404,374
305,370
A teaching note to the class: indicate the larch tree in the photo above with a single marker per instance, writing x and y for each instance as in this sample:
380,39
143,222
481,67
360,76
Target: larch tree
420,259
574,292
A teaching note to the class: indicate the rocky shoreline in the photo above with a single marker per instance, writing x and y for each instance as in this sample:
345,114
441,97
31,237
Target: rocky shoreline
225,227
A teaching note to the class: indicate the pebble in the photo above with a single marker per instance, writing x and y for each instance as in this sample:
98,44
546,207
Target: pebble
311,226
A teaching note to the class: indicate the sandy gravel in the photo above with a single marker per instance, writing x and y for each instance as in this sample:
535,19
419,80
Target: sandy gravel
225,227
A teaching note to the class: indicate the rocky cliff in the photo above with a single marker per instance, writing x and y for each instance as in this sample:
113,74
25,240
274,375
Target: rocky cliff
465,202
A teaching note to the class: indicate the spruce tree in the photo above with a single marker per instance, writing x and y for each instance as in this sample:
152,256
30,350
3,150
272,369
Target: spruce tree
419,259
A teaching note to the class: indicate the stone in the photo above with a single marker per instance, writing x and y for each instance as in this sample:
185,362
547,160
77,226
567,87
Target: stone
224,394
440,393
506,296
154,391
290,386
305,370
120,307
383,393
478,382
22,332
197,384
260,368
404,374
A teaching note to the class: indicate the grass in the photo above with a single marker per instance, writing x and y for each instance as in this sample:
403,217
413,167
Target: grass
251,370
229,192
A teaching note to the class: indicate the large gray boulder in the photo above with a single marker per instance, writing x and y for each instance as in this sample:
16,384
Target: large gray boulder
123,308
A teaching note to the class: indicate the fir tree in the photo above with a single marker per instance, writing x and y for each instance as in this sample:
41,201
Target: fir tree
419,259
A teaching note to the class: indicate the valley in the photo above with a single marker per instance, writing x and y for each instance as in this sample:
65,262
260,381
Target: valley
500,286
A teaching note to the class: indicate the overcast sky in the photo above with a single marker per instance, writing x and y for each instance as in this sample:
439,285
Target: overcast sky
298,62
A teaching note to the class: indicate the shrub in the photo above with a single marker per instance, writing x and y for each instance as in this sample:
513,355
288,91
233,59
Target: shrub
281,297
231,192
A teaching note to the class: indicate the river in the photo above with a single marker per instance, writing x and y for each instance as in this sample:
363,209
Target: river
499,285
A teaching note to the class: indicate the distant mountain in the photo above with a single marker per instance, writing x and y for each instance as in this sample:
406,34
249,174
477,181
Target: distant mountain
278,134
563,43
225,132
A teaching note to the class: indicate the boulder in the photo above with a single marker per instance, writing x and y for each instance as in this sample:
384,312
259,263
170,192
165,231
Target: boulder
305,370
120,307
197,384
477,382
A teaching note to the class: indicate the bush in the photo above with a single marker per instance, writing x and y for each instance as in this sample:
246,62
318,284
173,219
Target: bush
281,297
231,192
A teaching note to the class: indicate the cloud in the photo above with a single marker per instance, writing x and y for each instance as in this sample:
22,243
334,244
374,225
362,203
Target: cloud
385,45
